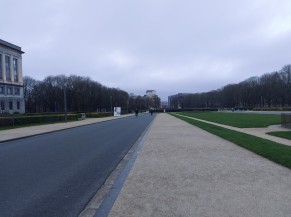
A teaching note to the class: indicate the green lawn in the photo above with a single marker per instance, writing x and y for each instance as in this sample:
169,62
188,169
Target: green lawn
240,120
282,134
273,151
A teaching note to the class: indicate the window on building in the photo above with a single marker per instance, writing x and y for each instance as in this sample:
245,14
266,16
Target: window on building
15,69
1,76
17,91
9,91
2,106
7,65
11,105
1,89
18,105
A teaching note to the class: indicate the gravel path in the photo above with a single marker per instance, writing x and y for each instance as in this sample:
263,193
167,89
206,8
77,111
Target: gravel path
185,171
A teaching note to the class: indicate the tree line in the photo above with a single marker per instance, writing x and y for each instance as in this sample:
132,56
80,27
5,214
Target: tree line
269,90
144,102
77,94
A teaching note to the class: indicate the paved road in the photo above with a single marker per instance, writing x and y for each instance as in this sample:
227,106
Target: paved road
56,174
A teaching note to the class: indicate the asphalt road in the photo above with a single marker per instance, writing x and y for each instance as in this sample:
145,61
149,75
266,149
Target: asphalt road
56,174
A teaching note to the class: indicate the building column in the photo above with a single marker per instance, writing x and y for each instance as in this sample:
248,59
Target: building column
3,67
11,68
6,105
19,67
22,106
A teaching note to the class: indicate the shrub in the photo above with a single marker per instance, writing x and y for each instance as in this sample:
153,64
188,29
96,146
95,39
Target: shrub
37,119
273,109
17,120
98,114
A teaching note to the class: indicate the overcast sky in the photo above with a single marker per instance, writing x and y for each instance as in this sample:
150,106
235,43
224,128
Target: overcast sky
171,46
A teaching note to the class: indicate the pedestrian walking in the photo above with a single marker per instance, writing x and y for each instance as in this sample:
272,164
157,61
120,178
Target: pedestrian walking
151,111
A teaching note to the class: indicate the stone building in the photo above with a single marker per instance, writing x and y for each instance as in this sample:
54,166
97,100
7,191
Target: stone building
11,79
151,93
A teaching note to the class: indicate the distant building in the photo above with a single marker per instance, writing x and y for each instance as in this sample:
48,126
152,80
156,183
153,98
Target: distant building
164,104
151,93
132,95
11,80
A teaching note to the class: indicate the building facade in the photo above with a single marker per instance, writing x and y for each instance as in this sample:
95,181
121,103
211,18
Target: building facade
151,93
11,79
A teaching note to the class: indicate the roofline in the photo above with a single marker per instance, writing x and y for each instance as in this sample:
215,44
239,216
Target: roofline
11,46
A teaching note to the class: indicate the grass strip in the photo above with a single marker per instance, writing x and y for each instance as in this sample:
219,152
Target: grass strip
281,134
273,151
241,120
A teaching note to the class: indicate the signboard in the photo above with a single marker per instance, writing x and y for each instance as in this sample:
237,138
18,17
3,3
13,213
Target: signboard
117,111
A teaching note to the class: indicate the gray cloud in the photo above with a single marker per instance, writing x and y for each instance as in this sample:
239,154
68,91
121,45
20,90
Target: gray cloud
168,45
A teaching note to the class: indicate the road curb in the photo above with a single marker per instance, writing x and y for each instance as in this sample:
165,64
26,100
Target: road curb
106,205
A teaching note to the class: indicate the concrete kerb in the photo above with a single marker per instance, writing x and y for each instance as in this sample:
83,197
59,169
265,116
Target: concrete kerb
101,204
5,137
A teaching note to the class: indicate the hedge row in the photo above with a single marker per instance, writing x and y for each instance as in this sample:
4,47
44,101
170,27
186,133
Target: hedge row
42,119
273,109
98,114
39,119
